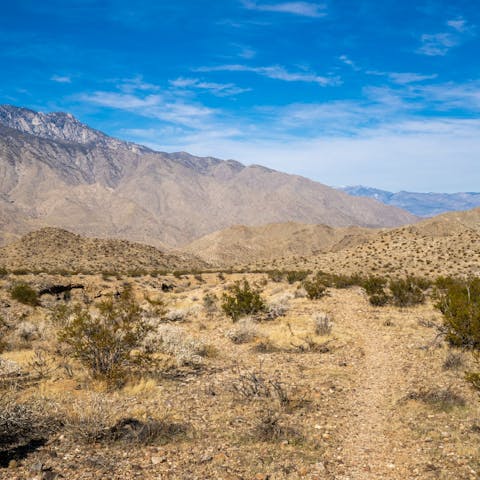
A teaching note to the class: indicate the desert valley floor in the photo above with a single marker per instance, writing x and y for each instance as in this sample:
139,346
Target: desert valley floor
376,394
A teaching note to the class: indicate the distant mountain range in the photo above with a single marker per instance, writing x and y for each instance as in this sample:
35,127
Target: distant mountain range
56,171
421,204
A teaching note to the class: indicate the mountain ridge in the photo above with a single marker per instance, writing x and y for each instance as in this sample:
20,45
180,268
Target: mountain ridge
426,204
108,188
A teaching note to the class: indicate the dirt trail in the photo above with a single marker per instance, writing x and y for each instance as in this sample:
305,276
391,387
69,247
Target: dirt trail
376,446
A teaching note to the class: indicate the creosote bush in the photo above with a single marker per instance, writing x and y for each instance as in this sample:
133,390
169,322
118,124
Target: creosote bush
242,301
407,292
459,302
25,294
103,343
315,288
297,276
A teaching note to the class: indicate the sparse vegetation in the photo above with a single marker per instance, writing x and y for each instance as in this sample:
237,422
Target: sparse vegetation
24,293
104,343
244,332
242,300
315,288
459,302
407,292
285,383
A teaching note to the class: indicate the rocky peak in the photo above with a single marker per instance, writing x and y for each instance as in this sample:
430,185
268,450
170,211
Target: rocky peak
59,126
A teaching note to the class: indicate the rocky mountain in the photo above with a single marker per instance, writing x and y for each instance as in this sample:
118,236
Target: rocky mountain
56,171
59,126
421,204
54,250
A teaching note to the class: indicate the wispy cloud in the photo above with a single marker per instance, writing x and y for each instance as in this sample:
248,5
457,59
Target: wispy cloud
459,24
275,72
439,44
347,61
171,110
218,89
245,51
304,9
406,77
403,78
61,79
409,126
130,85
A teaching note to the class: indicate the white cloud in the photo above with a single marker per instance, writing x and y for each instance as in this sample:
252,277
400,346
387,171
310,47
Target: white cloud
459,24
437,44
378,140
305,9
408,77
347,61
153,106
395,156
276,72
61,79
131,85
218,89
244,51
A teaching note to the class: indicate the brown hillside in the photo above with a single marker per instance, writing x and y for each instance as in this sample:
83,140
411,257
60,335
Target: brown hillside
445,245
53,249
241,244
448,244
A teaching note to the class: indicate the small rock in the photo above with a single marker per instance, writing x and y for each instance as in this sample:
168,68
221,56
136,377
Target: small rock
12,464
49,475
37,467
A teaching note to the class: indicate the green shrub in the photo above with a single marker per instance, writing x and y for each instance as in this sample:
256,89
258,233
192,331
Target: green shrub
276,275
459,302
104,344
374,285
297,276
324,278
346,281
315,288
379,299
25,294
242,301
406,292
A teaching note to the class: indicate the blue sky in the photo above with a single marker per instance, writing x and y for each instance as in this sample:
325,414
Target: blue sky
385,94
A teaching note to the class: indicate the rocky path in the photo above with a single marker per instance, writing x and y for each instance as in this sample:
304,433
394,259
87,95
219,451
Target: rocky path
376,446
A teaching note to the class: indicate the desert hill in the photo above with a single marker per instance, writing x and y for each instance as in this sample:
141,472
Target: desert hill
53,249
276,241
56,171
446,244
